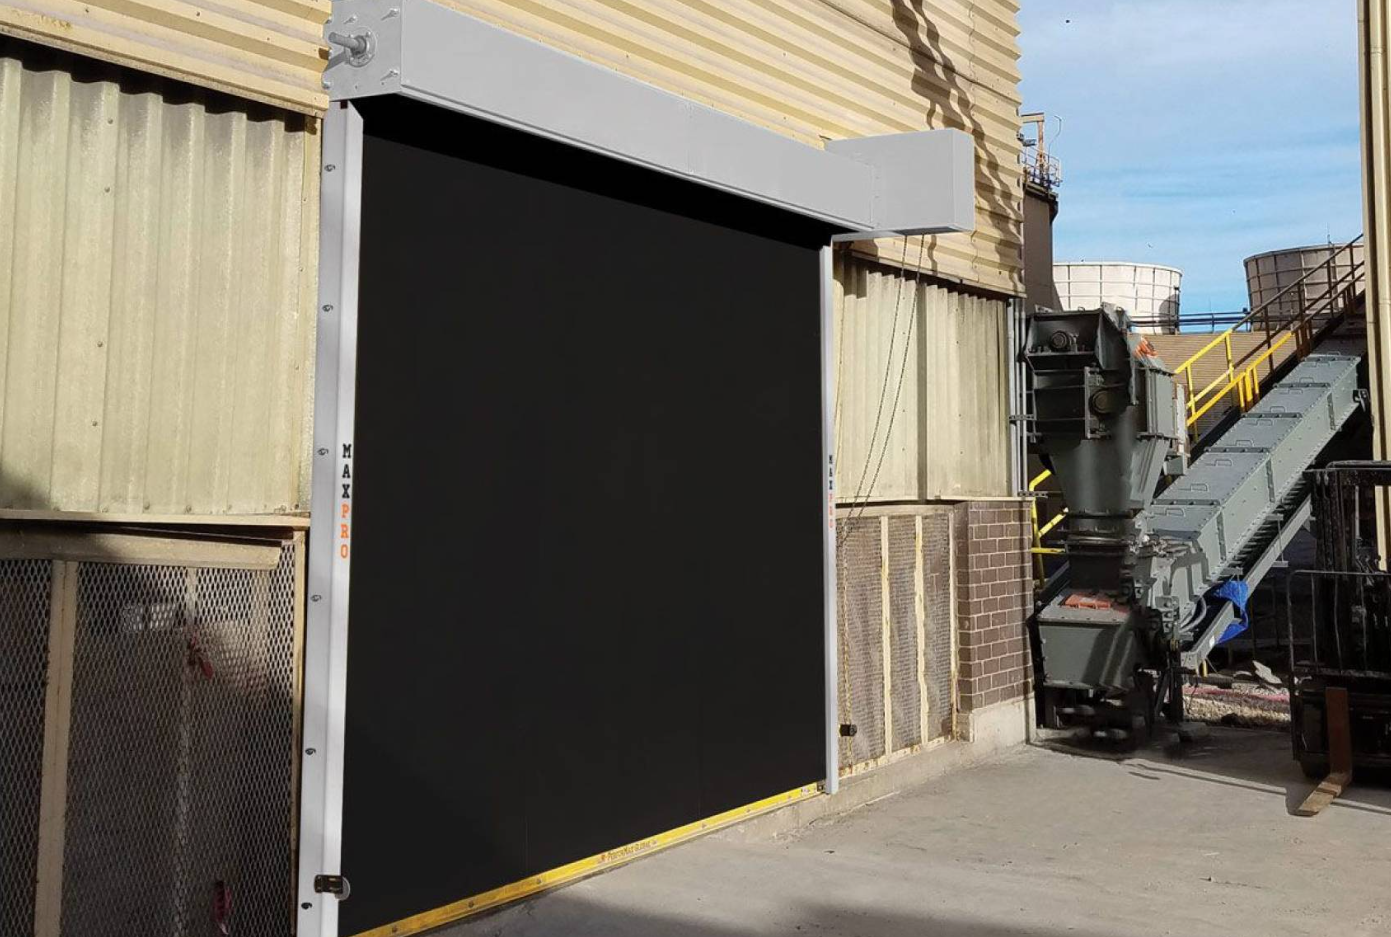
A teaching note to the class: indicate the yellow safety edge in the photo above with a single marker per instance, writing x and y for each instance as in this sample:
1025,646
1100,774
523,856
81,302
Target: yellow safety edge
574,871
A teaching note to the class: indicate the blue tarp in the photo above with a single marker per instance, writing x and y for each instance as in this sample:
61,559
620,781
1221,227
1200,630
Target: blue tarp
1238,593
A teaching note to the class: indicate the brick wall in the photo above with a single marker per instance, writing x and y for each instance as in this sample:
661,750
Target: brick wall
994,598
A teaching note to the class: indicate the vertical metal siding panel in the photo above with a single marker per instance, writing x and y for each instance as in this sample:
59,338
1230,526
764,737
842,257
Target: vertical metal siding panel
254,330
288,405
134,292
156,295
26,447
170,413
879,440
219,295
941,390
949,437
300,399
86,274
10,110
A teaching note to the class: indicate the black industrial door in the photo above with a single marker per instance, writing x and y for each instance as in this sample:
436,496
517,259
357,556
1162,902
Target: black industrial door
586,601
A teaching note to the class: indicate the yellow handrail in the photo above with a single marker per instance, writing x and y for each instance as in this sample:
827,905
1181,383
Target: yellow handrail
1038,550
1241,374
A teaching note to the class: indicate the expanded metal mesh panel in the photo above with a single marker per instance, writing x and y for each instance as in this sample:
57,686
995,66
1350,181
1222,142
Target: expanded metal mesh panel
861,619
905,702
182,751
937,602
25,595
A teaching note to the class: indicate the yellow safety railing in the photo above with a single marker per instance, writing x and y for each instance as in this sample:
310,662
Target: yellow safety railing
1240,375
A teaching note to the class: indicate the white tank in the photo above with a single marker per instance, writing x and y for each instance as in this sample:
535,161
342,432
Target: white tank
1148,292
1269,273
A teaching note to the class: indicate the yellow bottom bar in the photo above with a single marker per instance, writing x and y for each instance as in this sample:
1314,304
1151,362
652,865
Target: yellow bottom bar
530,885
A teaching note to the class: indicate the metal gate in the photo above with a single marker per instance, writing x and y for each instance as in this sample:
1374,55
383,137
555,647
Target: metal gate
148,725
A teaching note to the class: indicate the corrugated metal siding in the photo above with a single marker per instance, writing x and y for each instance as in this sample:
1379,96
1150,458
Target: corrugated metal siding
157,253
933,425
828,69
266,50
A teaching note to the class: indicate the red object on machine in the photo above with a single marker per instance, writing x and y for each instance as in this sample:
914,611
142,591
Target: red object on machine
1095,601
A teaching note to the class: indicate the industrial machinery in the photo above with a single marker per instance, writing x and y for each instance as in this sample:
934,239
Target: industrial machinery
1156,580
1341,639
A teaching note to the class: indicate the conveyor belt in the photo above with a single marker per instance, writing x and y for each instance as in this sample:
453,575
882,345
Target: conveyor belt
1245,495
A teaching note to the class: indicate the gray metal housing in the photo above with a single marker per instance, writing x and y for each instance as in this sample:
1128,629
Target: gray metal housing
1142,566
1103,410
906,183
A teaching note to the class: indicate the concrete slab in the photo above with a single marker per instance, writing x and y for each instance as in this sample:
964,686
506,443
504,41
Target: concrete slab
1035,842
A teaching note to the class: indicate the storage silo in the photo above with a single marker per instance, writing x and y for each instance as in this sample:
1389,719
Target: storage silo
1148,292
1268,274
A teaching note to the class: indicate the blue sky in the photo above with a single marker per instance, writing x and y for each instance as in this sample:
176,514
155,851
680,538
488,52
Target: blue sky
1197,132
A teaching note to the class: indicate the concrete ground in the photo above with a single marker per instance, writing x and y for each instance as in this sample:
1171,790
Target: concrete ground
1035,842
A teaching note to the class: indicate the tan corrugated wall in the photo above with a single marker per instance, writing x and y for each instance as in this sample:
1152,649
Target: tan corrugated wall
1375,34
931,424
828,69
270,51
157,255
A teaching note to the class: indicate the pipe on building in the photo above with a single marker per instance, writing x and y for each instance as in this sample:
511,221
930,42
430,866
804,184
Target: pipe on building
1018,403
1376,148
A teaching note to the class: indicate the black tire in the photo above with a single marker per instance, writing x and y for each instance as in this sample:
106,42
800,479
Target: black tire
1315,767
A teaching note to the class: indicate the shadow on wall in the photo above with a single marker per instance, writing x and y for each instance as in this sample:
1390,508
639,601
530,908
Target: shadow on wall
933,68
